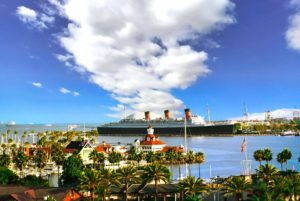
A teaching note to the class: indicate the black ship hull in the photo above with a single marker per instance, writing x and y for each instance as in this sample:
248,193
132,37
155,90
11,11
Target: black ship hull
168,131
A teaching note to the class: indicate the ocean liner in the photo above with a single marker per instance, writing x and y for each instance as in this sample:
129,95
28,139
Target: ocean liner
168,126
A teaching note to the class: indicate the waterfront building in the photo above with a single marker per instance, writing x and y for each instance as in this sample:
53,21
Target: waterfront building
84,149
152,143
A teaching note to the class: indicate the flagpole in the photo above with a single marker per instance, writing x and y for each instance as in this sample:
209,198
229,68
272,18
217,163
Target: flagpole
246,147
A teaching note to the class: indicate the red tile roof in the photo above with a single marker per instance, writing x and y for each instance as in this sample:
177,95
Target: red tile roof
151,139
103,148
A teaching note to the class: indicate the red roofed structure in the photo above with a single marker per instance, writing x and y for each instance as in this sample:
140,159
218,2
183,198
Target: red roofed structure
104,148
151,142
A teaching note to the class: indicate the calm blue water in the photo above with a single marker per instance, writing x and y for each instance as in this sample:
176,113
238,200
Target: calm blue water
223,155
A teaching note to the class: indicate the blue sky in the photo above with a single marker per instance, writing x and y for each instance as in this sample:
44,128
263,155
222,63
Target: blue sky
240,52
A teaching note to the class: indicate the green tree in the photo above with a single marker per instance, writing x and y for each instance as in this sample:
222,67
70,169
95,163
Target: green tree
258,155
199,158
8,131
192,187
72,168
156,172
150,158
40,159
236,186
268,155
158,156
128,175
291,186
93,156
179,160
139,157
58,157
90,181
16,135
132,154
190,159
108,178
280,159
100,158
266,172
287,155
115,157
7,176
20,161
32,180
171,157
4,160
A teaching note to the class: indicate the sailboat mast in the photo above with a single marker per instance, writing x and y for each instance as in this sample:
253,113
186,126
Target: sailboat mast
208,113
185,137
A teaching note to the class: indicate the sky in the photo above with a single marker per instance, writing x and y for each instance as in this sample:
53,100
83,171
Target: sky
85,61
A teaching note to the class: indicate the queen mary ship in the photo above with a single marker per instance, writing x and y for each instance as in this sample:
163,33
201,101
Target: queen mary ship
167,126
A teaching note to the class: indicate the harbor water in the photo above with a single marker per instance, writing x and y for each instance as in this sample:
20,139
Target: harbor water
223,154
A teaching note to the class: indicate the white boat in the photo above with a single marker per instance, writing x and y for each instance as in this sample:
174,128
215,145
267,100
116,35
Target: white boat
288,133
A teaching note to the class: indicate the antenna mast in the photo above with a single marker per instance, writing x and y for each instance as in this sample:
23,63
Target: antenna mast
246,113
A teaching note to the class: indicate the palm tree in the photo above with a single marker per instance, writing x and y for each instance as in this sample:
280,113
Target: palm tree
266,172
258,155
107,179
236,186
287,155
93,156
115,157
193,187
171,157
139,157
292,186
58,157
8,134
16,135
156,172
90,181
100,158
150,157
280,159
199,158
268,155
190,159
128,175
158,156
40,160
179,160
32,132
3,146
21,160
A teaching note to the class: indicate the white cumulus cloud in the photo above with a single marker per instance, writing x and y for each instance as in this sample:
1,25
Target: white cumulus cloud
75,93
64,90
34,18
37,84
292,34
133,50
